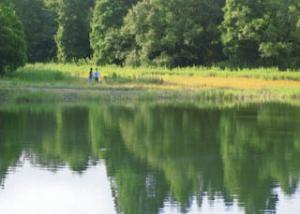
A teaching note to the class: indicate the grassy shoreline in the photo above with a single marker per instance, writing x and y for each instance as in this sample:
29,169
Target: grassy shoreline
58,82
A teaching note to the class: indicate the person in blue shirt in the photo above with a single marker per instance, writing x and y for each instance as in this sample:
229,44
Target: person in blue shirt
97,75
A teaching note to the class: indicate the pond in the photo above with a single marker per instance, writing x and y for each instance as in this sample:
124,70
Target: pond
149,158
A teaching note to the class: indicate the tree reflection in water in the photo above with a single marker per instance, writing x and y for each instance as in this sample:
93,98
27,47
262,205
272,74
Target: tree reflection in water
159,153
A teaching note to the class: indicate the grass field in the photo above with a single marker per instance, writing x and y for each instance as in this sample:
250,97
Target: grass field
60,80
53,71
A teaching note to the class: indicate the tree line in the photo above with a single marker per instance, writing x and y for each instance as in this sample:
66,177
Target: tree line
151,32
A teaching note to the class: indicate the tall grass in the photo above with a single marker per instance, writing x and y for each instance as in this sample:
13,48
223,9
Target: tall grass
159,78
81,71
31,73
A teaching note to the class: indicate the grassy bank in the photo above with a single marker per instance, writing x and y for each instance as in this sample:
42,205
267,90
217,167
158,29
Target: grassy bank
54,71
55,82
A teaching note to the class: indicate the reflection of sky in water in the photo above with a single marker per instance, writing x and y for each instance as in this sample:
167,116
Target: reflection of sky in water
31,190
288,204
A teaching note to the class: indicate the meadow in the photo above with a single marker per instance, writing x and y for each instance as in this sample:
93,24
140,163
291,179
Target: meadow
69,81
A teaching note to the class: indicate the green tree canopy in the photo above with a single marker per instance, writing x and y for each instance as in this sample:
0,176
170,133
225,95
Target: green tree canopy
262,32
107,42
175,33
170,33
72,37
40,27
12,41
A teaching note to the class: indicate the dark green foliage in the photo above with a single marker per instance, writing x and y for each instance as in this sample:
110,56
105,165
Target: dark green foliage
280,45
242,29
40,27
175,33
107,41
72,37
262,32
235,33
52,5
12,41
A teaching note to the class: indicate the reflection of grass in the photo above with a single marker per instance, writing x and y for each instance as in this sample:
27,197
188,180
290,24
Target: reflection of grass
125,95
152,83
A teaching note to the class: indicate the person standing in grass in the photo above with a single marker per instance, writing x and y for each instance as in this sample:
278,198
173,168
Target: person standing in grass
97,75
91,75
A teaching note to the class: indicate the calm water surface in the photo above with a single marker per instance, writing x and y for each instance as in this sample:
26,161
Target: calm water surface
149,159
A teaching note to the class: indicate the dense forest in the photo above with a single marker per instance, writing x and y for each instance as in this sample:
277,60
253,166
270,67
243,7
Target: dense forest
170,33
